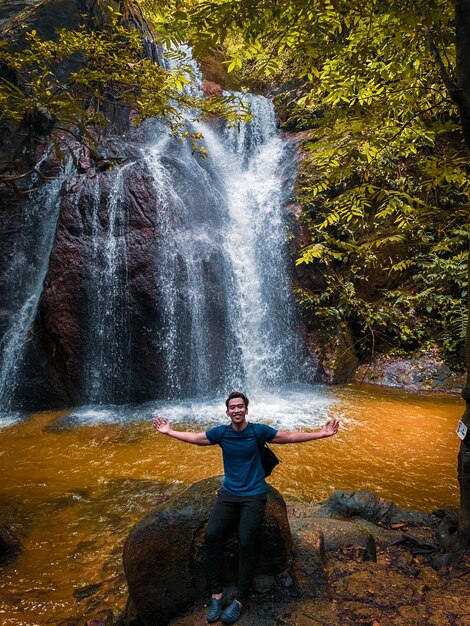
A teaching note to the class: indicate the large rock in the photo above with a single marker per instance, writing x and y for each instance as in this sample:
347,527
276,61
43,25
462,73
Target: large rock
55,368
164,558
337,357
426,372
342,535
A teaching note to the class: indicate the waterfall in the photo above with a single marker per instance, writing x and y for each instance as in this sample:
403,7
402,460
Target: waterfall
24,283
223,316
222,265
107,333
253,163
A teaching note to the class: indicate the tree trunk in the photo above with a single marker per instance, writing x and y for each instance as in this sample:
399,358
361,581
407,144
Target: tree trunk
462,97
462,539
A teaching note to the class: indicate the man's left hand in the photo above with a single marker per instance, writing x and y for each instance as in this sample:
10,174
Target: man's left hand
330,428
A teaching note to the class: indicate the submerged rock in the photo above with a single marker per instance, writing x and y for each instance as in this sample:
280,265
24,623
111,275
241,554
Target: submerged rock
9,544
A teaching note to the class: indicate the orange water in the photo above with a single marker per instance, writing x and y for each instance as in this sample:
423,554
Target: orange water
71,495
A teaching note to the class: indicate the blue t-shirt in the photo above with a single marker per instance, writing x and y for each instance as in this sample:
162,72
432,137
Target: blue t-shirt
243,472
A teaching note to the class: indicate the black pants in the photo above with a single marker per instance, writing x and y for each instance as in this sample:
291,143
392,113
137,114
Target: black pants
246,513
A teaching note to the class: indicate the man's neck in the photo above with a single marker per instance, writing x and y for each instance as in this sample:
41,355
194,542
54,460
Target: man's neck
240,427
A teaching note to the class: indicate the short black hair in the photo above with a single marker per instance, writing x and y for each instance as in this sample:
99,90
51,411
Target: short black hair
237,394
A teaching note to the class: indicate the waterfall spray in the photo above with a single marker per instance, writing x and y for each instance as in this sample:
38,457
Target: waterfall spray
107,338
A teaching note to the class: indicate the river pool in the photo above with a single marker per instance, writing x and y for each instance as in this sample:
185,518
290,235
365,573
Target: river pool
73,483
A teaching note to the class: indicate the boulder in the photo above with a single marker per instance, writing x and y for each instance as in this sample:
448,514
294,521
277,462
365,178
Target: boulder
424,372
164,559
348,537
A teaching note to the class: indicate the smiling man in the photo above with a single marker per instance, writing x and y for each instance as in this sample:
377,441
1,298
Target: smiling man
242,496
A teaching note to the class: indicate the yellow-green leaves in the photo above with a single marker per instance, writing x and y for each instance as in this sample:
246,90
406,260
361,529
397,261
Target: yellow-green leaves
67,78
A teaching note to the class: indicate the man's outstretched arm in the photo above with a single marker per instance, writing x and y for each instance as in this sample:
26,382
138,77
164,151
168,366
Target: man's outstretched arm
163,426
285,436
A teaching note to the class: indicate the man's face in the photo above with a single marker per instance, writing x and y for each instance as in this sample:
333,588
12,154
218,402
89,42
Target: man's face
237,411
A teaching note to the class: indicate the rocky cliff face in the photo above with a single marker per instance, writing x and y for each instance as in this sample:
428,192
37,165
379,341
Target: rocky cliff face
73,279
135,296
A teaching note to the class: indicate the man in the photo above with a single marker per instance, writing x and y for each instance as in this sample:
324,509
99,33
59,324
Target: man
242,496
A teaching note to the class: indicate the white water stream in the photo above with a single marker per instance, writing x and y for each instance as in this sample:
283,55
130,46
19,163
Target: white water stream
27,274
223,266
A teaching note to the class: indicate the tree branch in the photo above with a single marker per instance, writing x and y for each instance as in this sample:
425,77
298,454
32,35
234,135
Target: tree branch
450,84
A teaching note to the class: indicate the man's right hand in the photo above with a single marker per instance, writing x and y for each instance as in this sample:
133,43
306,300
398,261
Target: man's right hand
163,426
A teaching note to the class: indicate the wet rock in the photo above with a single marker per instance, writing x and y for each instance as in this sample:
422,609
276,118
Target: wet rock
53,371
444,561
87,591
9,544
349,538
337,358
448,525
75,265
44,17
307,567
426,372
215,73
105,618
211,89
363,503
164,558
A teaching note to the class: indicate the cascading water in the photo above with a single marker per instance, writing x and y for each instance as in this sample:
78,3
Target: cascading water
26,275
107,337
190,270
226,316
254,166
222,264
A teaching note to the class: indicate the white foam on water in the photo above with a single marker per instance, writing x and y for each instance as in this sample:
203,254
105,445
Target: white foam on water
10,418
290,407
